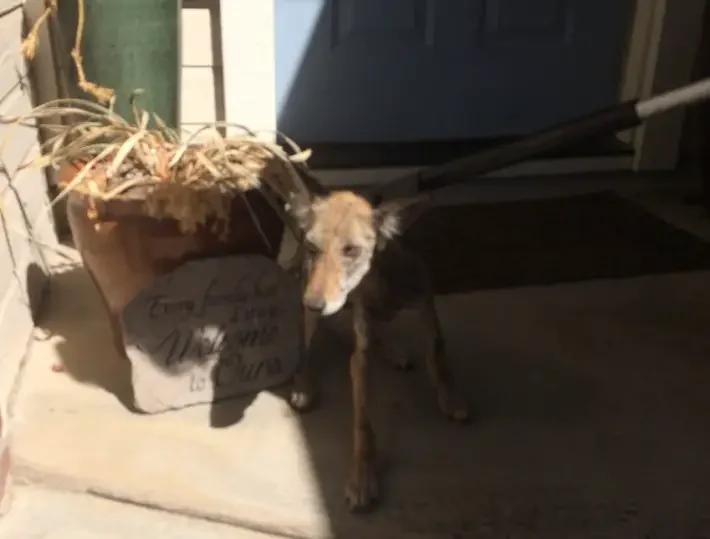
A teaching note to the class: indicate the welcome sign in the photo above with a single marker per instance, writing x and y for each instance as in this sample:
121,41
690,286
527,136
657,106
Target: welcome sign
212,329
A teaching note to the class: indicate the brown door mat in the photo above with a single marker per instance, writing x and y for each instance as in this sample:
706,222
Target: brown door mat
537,242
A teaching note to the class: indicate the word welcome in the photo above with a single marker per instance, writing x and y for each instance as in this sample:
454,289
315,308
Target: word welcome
226,373
188,344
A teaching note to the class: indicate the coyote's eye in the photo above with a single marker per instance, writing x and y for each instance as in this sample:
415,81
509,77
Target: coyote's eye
312,248
351,251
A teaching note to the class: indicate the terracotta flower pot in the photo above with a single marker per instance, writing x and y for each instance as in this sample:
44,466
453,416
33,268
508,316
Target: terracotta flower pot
124,249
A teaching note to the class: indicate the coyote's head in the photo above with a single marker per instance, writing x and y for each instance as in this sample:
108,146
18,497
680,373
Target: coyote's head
342,232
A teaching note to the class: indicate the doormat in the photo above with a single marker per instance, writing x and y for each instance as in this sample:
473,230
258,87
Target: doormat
539,242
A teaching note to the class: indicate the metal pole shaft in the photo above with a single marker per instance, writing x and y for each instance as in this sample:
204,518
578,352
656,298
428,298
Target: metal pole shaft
681,97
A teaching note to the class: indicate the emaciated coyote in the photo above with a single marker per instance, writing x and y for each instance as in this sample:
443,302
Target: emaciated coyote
352,257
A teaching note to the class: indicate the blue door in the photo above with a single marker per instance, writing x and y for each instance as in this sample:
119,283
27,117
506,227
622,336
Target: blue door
424,70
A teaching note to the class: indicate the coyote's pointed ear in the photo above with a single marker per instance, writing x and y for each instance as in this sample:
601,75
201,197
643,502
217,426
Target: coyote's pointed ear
388,217
300,207
392,217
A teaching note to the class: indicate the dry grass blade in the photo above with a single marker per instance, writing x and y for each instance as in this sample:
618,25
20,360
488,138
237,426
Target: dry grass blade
79,106
170,134
202,159
123,152
83,173
145,118
135,94
178,155
113,193
302,156
257,224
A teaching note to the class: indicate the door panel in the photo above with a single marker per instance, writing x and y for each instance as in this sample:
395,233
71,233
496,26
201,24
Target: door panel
417,70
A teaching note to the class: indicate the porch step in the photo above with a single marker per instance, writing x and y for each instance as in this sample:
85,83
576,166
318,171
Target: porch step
39,513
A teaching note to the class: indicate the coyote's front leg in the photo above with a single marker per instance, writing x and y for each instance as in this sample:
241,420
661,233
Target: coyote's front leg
362,489
304,393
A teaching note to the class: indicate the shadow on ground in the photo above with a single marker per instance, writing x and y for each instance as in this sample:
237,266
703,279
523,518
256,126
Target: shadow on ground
84,357
95,361
590,412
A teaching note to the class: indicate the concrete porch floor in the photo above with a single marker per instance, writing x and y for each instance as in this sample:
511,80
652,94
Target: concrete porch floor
591,421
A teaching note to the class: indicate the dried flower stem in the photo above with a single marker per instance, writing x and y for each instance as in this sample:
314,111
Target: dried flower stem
30,43
104,95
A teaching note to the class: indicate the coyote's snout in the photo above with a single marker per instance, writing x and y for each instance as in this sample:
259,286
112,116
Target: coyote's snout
352,256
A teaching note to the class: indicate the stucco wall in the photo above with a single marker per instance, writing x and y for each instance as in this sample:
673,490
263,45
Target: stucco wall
23,199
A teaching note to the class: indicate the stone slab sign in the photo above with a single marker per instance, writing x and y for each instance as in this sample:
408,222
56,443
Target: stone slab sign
212,329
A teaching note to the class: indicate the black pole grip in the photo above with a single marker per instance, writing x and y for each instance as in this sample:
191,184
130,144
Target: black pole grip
611,120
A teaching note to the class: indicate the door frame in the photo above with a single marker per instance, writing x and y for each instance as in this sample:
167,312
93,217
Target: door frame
664,41
661,48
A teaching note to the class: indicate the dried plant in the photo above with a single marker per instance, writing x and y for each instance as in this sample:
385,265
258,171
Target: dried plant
188,181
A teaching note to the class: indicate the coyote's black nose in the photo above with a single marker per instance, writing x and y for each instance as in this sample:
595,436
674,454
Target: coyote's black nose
314,303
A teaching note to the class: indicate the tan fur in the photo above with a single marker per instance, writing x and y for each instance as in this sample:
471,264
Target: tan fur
353,258
338,223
